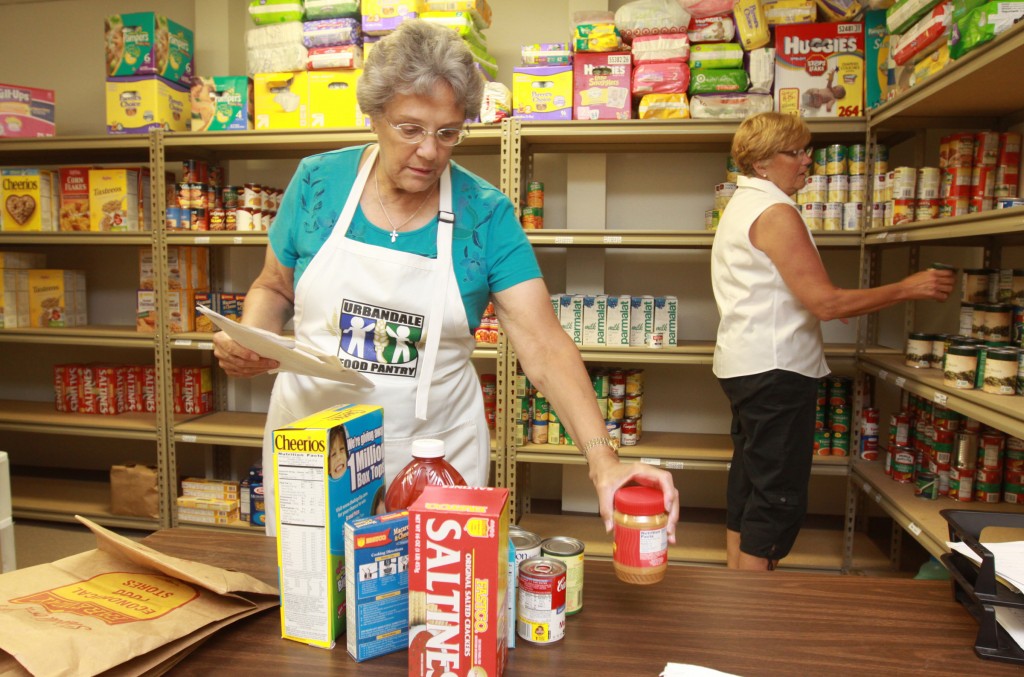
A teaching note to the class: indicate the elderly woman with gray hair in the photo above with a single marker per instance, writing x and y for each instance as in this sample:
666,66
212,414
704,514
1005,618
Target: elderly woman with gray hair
387,256
773,293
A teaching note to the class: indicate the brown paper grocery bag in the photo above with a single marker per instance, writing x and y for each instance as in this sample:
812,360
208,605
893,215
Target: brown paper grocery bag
133,491
123,607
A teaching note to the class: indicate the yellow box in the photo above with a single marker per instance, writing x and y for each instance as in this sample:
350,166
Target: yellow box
208,503
145,311
56,298
187,268
13,298
332,98
542,92
209,488
281,100
27,200
137,104
119,200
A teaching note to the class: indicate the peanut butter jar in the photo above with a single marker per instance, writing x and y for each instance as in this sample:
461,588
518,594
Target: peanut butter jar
640,551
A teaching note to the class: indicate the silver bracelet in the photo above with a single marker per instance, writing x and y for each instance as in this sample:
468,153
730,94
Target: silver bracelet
597,442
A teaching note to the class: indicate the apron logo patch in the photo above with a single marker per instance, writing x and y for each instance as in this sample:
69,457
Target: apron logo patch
379,340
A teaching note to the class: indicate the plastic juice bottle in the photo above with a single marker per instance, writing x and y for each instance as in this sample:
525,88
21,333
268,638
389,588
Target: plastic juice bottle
428,466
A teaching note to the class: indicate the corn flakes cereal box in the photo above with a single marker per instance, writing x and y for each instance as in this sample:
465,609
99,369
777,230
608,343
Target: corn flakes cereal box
377,585
601,82
56,298
27,111
458,581
138,104
27,200
146,43
74,198
329,468
221,103
819,70
14,306
332,98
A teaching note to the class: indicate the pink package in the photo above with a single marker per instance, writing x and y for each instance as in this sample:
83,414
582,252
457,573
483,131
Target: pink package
664,47
27,111
600,87
923,37
668,77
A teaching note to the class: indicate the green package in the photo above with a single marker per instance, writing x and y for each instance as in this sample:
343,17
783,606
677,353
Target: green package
718,80
982,25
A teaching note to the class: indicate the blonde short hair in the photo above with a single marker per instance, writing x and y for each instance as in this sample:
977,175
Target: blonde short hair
761,136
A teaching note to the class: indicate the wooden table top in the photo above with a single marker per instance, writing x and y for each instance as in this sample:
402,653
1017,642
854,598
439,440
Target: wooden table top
746,623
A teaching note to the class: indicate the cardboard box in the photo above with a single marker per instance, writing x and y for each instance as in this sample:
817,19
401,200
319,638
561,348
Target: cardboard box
22,260
617,333
377,585
332,99
27,111
876,72
570,315
595,320
221,103
28,200
318,489
209,488
119,200
14,306
188,267
641,320
458,581
145,311
193,390
146,43
819,70
281,100
56,298
542,92
380,17
600,83
74,195
138,104
666,313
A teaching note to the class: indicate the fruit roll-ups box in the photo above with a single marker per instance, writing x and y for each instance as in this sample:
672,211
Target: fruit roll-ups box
329,468
377,584
27,111
458,581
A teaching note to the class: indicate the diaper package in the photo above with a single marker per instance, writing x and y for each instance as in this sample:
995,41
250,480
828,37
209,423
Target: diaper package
281,100
784,12
819,70
668,77
751,24
542,92
761,68
331,32
664,107
840,10
330,9
650,17
265,12
716,55
221,103
729,106
380,17
342,56
923,37
705,8
601,86
982,25
661,47
275,48
146,43
714,80
479,9
546,54
596,37
711,29
876,56
905,13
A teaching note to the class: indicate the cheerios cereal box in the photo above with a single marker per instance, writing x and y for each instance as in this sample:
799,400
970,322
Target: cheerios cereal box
329,468
146,43
27,199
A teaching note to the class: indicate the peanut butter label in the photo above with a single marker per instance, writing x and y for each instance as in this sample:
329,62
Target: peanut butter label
116,598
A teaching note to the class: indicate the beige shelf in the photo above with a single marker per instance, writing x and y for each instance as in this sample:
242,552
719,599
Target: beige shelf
685,352
76,238
198,340
228,428
93,335
672,451
59,500
671,239
63,150
704,543
41,417
919,517
234,238
957,230
1003,412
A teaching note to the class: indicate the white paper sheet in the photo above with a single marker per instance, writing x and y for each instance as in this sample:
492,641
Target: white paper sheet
292,355
1009,559
684,670
1012,620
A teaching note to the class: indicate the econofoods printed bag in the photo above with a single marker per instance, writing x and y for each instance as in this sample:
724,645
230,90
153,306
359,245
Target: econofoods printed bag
123,605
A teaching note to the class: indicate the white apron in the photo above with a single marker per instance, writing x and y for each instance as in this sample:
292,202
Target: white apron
399,319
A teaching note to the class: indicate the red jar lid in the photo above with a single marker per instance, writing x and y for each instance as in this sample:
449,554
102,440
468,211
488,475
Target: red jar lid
639,500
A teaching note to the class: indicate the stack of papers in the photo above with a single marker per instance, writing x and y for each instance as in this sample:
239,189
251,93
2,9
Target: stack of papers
1010,570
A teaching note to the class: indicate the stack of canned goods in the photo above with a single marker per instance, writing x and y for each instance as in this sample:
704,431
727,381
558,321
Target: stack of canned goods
943,453
203,202
487,332
723,193
533,212
548,584
489,387
995,367
833,196
832,423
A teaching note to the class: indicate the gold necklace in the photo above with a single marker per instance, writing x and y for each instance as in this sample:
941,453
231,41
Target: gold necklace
394,228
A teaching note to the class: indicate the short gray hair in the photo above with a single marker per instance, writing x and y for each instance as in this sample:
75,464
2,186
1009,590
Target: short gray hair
415,59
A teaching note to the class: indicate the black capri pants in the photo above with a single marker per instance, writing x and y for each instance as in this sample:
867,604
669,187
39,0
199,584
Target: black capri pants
773,441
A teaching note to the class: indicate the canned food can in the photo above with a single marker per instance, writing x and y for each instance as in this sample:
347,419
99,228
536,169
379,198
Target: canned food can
990,450
858,158
919,350
231,197
986,148
630,435
814,215
600,381
927,485
820,156
836,159
822,443
904,183
903,211
540,616
928,182
711,217
927,210
527,543
570,552
614,429
617,383
833,217
533,218
903,459
853,216
535,194
838,188
899,428
858,188
243,219
539,432
634,405
634,383
172,218
816,188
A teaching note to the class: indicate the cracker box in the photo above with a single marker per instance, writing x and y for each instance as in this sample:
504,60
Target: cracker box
146,43
56,298
332,98
458,581
600,83
74,198
138,104
281,100
221,103
28,200
819,70
329,468
27,111
193,390
542,92
377,584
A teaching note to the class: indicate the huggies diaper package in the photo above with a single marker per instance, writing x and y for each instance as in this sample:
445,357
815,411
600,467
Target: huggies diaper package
601,83
819,70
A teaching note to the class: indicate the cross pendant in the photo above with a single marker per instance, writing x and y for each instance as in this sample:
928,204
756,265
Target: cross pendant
394,235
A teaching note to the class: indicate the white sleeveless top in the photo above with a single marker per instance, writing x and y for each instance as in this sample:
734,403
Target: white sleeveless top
763,326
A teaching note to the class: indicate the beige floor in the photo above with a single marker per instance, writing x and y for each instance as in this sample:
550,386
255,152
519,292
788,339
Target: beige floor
42,542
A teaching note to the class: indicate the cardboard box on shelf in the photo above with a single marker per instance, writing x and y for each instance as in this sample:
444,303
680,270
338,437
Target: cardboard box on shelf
116,200
542,92
601,82
140,103
74,198
188,267
281,100
332,98
193,390
221,103
27,111
14,306
819,69
56,298
28,199
147,43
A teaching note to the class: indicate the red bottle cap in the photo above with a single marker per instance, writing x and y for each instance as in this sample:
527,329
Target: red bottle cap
639,500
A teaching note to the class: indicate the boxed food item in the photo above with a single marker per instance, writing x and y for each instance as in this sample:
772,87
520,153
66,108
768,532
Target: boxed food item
27,111
618,321
14,307
209,488
542,92
56,298
380,17
666,312
595,320
601,84
74,198
377,584
119,200
458,581
281,100
140,103
193,390
329,468
29,199
641,320
147,43
221,103
207,509
145,311
570,314
188,267
139,388
819,70
332,98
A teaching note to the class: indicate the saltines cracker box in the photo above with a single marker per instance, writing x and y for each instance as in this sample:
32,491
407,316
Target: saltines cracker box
377,584
819,70
458,581
329,468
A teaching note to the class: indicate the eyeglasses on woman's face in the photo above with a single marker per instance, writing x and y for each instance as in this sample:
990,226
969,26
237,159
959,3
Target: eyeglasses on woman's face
795,154
410,132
